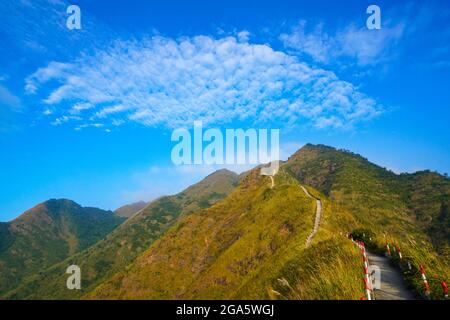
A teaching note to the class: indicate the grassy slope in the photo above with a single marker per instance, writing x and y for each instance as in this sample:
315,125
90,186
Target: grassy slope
128,210
403,209
240,247
329,270
251,245
47,234
367,190
126,242
427,194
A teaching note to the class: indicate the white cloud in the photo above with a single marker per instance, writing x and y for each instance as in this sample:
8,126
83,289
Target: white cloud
8,99
60,120
243,36
38,28
53,71
110,110
117,122
160,81
79,107
89,125
10,107
364,46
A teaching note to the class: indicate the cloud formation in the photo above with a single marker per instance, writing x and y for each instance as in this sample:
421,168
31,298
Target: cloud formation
160,81
10,107
365,47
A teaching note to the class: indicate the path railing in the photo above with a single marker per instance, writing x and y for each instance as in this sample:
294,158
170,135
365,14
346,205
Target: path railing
407,266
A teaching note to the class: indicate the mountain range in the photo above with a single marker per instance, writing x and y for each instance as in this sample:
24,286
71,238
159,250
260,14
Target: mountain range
49,233
236,237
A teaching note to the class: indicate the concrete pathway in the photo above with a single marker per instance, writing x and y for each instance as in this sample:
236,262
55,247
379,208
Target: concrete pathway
317,219
393,286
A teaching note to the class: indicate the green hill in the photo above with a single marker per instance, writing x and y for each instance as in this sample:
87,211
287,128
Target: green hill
240,247
408,210
120,247
251,244
231,237
409,203
48,234
128,210
428,198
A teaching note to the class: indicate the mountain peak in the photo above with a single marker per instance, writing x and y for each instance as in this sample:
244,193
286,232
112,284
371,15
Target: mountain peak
60,203
222,172
48,233
51,205
129,209
221,181
321,148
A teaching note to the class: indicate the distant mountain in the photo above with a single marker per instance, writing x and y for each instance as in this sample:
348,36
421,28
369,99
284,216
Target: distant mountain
48,234
236,237
128,210
251,245
124,244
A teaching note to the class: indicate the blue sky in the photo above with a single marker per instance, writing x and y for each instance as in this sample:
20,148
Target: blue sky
87,114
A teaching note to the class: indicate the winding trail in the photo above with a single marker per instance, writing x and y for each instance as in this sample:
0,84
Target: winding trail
317,219
392,285
272,182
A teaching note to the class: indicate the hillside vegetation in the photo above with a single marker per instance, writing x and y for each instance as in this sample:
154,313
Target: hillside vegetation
128,210
47,234
408,210
251,244
236,249
126,242
231,237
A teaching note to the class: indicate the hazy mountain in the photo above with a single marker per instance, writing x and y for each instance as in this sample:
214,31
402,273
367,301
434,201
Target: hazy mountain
119,248
47,234
130,209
